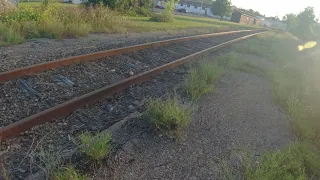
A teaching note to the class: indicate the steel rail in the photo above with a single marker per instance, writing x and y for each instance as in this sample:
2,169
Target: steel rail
37,68
68,107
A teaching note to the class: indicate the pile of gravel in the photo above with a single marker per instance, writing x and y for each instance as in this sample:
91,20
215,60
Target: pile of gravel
5,5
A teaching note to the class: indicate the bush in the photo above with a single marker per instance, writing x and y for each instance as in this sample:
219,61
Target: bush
30,29
68,173
162,17
10,34
77,30
51,29
295,162
102,19
96,147
168,116
200,79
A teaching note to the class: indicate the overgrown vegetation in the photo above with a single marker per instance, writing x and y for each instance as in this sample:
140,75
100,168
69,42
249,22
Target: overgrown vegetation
54,21
201,78
303,25
96,147
296,90
68,173
168,115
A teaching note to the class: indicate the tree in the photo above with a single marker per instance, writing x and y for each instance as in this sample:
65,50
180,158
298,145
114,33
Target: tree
221,8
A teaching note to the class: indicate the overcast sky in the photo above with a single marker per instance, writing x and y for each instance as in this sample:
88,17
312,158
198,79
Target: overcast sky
277,7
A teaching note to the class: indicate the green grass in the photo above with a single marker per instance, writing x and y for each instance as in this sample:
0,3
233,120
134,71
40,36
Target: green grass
68,173
168,116
96,147
299,161
38,4
140,24
201,78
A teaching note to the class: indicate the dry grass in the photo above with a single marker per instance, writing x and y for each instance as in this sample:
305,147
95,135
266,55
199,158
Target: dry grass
168,116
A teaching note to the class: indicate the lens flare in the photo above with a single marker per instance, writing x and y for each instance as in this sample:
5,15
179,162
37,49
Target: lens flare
308,45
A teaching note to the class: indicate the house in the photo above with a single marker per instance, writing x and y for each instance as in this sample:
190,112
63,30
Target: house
192,6
242,18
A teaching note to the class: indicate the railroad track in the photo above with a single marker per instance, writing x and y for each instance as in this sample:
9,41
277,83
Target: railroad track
36,94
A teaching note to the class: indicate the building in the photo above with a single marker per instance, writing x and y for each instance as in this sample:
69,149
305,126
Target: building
191,6
242,18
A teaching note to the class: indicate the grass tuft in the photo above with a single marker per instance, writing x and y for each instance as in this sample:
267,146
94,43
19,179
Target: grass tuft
298,161
200,79
68,173
96,147
168,115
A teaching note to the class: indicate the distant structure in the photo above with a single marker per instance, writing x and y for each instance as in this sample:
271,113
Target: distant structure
191,6
242,18
274,24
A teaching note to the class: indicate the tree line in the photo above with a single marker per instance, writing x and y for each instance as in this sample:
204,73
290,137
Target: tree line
303,25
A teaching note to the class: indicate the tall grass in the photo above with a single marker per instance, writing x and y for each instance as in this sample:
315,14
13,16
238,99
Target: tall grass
296,89
55,21
168,115
200,79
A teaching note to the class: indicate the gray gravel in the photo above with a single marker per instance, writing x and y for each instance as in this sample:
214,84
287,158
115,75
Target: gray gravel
41,50
238,116
47,92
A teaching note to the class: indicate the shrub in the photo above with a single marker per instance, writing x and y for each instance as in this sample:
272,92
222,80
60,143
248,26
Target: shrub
162,17
167,115
96,147
10,34
30,29
68,173
77,30
102,19
51,29
200,79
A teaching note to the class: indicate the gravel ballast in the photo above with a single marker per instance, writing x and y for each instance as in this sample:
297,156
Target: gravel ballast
27,96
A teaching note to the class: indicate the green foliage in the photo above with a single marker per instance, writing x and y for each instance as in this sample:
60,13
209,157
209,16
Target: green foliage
200,79
96,147
302,25
222,8
51,29
10,34
30,29
162,17
167,16
168,115
75,30
68,173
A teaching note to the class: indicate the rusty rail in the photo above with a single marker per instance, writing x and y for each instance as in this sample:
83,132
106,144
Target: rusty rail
37,68
68,107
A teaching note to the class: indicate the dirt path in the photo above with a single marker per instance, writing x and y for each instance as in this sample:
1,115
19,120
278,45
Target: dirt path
238,116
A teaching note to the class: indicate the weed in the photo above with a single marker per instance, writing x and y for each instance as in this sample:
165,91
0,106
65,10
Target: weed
168,115
68,173
50,160
96,147
200,79
30,29
295,162
10,35
51,29
3,172
75,30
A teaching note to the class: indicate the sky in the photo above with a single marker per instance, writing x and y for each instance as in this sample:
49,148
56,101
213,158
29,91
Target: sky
278,7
